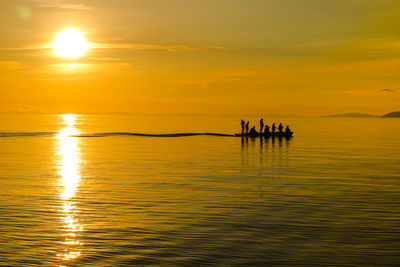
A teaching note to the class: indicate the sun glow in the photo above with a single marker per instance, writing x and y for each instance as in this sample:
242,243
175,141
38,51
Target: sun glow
70,43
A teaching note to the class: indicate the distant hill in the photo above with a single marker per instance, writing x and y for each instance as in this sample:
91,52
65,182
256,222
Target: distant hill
395,114
350,115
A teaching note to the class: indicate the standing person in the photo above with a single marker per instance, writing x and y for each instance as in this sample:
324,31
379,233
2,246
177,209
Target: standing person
261,125
247,127
273,128
242,124
280,127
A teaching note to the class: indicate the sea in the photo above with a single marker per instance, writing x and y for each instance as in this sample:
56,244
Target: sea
153,190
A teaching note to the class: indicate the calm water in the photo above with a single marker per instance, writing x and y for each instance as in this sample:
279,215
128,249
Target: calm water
329,196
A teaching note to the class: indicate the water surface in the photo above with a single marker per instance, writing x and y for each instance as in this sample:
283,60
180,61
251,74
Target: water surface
72,196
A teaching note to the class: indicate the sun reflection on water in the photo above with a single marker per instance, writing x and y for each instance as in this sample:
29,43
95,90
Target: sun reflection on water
69,171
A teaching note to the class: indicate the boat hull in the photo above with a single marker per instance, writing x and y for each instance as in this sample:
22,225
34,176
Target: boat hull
275,134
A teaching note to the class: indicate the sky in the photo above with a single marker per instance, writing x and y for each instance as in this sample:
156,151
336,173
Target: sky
224,57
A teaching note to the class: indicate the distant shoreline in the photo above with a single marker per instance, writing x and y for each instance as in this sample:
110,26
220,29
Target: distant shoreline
395,114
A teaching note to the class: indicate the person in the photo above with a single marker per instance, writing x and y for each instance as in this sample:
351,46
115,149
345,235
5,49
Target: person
266,132
280,127
242,124
247,127
253,131
273,128
261,125
287,130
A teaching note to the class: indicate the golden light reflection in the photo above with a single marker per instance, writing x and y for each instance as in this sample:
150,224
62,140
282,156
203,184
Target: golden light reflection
69,171
70,156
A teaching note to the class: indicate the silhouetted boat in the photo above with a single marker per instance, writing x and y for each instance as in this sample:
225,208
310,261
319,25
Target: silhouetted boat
275,134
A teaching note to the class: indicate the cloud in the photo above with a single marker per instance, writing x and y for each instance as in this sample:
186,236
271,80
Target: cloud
10,66
169,48
25,48
339,50
63,4
369,91
122,46
388,90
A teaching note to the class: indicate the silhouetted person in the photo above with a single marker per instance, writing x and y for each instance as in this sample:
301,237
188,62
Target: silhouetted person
247,127
266,132
242,123
280,127
287,130
253,131
261,125
273,128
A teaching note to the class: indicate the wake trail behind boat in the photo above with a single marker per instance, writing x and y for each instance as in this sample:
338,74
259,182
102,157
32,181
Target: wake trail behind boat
27,134
150,135
106,134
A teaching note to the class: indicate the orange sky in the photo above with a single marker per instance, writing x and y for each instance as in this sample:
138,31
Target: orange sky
304,57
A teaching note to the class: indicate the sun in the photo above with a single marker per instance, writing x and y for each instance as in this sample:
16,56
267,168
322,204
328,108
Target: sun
70,43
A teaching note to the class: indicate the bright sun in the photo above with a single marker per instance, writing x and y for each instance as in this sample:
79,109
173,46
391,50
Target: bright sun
70,43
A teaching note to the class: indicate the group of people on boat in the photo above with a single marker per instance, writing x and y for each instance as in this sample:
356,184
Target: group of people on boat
264,129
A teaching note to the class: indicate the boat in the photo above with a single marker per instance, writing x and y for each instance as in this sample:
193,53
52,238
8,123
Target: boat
267,135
